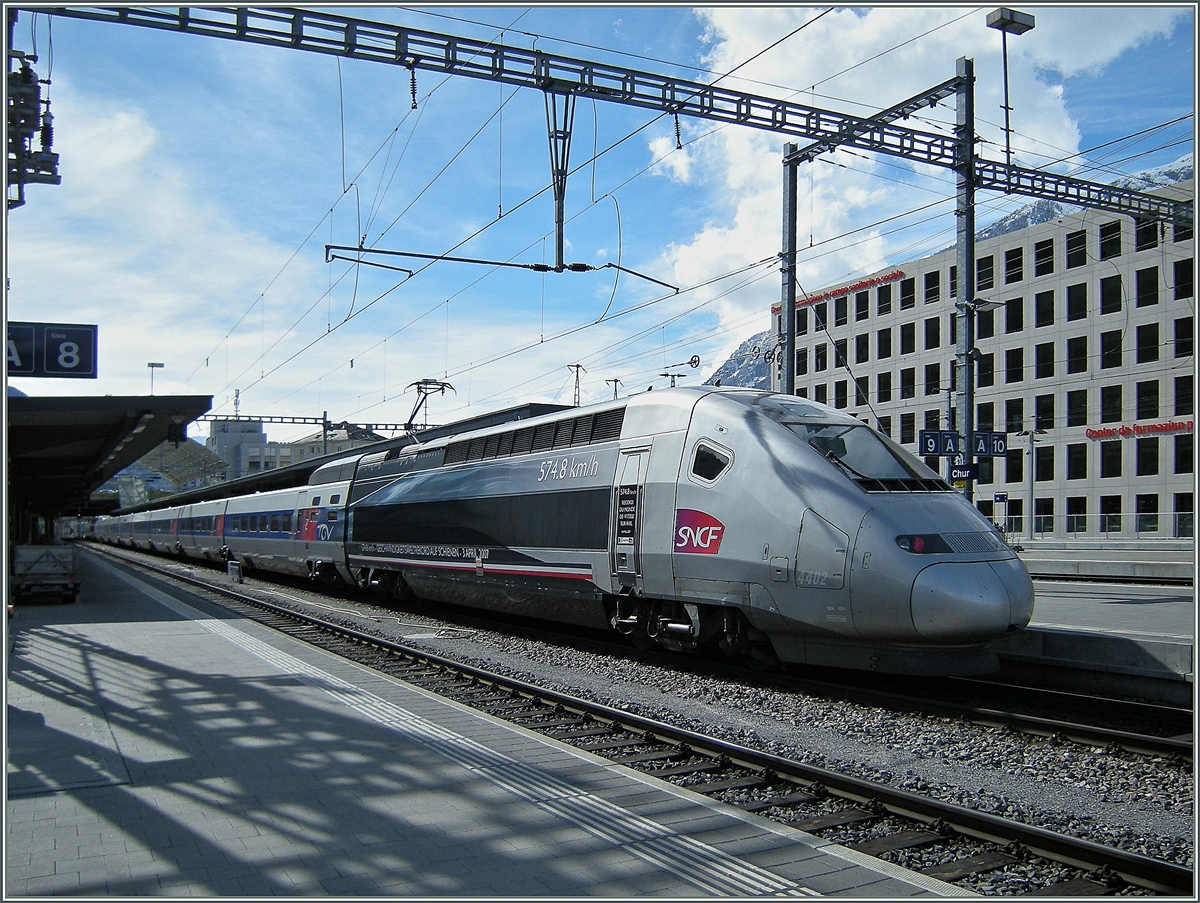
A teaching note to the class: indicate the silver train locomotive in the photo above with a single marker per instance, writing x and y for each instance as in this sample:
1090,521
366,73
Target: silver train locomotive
760,524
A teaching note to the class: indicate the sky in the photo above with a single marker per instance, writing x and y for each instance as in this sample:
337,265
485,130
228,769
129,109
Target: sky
202,180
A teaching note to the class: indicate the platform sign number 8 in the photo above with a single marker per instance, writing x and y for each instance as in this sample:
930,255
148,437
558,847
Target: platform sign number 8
52,350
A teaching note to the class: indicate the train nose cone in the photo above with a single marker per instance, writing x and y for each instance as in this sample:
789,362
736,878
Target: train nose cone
970,601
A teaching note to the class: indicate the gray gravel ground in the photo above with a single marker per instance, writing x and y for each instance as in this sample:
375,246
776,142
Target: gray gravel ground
1139,803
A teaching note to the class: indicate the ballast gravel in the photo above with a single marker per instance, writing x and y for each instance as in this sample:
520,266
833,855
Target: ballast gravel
1139,803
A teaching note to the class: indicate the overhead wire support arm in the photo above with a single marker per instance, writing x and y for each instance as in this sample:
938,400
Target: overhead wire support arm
320,32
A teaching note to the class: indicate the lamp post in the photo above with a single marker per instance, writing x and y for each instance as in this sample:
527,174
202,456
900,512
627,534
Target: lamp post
153,366
1032,434
1008,21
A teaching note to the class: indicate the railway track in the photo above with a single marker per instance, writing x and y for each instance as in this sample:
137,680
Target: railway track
949,842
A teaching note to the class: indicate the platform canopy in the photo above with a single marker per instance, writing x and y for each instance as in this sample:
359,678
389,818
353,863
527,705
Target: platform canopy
62,448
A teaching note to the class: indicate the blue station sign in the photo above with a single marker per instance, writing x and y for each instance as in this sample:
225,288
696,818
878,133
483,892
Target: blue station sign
52,350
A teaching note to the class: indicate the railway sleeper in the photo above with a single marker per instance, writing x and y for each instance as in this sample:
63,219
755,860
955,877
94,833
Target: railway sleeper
978,864
750,782
901,840
849,816
1075,887
798,798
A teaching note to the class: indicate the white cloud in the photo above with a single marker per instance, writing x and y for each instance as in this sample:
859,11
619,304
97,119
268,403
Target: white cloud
670,160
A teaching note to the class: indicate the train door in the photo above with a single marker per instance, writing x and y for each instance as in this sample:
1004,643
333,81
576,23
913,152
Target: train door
627,517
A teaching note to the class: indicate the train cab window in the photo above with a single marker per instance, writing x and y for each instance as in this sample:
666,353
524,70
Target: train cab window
708,463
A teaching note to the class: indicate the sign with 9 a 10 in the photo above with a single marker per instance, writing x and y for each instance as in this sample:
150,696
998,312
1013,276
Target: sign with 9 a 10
52,350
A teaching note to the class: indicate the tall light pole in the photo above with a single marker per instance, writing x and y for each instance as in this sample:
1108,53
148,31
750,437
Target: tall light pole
1008,21
153,366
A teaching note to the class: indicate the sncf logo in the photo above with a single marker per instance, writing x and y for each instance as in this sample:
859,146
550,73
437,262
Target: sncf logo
697,532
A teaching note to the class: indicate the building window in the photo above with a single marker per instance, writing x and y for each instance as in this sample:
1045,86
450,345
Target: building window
1077,461
1076,249
933,379
1111,294
884,425
883,300
1147,399
933,420
1077,354
862,348
1110,514
1077,301
985,273
933,333
908,429
908,338
820,357
1043,357
1147,343
862,305
908,293
821,394
1182,232
1014,265
883,387
1110,458
1145,234
1014,415
1111,407
1014,365
1184,514
1043,257
839,311
985,324
1077,407
1184,337
987,473
1147,513
839,394
821,316
1183,395
1014,466
1184,450
1110,240
1110,349
883,343
1184,274
1043,309
933,287
801,361
1076,513
802,321
1014,315
985,416
1147,286
953,282
1147,456
1043,515
985,371
1043,412
860,390
839,353
908,382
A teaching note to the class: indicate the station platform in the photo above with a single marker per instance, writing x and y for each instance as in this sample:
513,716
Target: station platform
1130,640
160,747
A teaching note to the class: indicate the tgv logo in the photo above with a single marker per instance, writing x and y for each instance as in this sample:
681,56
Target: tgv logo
697,532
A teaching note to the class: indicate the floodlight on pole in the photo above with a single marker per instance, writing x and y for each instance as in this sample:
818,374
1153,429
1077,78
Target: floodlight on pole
153,366
1008,21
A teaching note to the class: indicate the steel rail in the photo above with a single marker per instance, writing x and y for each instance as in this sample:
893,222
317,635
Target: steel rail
1143,871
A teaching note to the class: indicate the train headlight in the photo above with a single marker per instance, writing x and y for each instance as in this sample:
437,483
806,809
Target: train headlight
923,544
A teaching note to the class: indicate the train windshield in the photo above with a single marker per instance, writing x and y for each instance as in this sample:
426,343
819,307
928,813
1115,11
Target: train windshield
868,458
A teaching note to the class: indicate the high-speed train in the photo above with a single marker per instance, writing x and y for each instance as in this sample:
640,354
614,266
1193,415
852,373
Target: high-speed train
760,524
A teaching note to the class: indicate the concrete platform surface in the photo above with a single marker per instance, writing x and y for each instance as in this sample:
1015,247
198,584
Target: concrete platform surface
158,747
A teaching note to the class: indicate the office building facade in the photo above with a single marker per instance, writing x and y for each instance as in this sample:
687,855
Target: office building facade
1085,360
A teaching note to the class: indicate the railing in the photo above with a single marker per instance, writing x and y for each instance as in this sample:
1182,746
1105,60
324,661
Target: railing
1180,525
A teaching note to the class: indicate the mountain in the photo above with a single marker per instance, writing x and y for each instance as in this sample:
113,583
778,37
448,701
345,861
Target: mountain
746,366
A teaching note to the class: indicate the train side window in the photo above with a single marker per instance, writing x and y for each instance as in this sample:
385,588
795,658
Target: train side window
334,499
708,463
274,523
333,515
287,523
316,501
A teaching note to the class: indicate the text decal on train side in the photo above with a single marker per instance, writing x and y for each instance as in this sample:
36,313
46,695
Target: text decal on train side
697,532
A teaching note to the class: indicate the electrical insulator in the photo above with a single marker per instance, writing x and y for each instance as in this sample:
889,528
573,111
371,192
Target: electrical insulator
47,130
